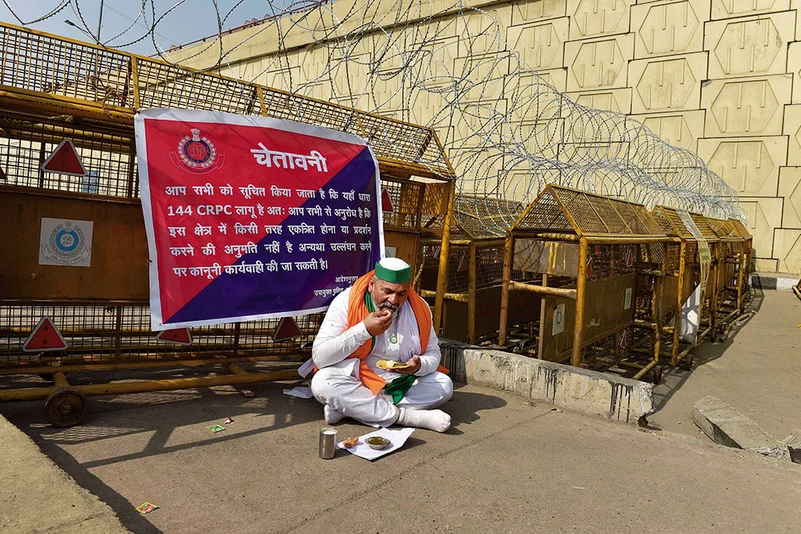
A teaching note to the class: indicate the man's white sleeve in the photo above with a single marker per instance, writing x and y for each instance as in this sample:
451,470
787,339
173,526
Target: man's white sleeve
336,341
429,360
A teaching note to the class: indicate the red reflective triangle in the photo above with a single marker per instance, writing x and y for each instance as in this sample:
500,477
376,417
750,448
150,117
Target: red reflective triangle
2,174
45,337
64,160
386,202
624,340
287,329
177,335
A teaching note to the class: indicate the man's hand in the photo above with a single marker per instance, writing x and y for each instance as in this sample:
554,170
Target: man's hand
414,366
378,322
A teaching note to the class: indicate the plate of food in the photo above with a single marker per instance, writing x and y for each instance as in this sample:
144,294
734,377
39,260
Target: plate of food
392,365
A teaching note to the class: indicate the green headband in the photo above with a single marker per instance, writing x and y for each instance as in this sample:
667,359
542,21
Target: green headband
395,277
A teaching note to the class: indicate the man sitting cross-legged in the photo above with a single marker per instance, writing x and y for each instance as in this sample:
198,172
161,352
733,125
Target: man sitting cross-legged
381,318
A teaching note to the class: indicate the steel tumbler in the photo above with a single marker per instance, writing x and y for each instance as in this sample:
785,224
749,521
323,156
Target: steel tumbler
328,443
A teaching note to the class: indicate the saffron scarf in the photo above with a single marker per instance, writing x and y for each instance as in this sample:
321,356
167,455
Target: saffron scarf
358,309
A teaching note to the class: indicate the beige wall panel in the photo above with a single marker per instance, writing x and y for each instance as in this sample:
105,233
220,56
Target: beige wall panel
790,190
618,100
598,64
668,28
593,18
764,216
470,123
681,128
787,248
745,107
486,35
530,99
471,161
528,11
555,77
539,137
764,265
722,9
794,68
279,78
491,68
792,129
750,166
666,84
749,46
541,46
425,105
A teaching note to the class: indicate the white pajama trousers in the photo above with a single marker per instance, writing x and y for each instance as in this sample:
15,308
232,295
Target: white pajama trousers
339,387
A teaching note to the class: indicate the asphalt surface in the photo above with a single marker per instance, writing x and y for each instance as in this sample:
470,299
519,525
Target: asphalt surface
505,466
757,370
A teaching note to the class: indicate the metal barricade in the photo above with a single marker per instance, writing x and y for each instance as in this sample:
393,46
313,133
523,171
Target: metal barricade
680,276
53,89
472,288
586,251
734,251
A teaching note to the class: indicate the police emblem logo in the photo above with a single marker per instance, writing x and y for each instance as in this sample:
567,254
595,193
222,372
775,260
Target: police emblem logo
197,153
65,242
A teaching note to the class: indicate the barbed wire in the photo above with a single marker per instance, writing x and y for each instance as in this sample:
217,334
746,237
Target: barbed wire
508,132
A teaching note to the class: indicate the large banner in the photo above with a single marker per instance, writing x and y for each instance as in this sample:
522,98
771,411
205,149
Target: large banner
250,217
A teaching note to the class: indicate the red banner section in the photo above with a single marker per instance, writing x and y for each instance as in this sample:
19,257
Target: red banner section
249,217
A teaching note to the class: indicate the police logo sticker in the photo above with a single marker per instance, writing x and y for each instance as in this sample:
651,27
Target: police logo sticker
197,153
65,242
558,320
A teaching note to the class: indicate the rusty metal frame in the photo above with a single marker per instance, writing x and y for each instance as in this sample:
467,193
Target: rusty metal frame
540,222
98,96
467,231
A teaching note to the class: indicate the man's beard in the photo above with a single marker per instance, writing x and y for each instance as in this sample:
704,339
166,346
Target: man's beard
386,305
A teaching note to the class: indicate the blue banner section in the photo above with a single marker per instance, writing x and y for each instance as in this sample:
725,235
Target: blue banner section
320,248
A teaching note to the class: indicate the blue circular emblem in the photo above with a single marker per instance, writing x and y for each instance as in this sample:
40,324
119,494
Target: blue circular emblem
197,151
67,240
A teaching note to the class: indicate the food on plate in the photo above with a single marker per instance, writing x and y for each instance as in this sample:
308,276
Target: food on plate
391,364
352,441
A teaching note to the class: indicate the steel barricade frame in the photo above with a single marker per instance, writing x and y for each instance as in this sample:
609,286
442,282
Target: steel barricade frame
588,251
475,267
91,96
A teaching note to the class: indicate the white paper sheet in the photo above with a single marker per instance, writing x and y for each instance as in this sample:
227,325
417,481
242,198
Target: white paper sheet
303,392
396,437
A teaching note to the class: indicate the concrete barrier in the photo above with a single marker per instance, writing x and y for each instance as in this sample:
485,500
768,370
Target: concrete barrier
777,281
619,399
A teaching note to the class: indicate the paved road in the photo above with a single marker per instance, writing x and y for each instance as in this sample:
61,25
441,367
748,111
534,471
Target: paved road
757,371
505,466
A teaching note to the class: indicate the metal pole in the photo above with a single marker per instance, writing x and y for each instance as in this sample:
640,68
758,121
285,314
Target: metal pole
508,257
541,340
657,316
114,388
544,290
674,356
442,278
100,21
471,296
581,287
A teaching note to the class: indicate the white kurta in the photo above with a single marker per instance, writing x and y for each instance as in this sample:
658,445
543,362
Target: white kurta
337,382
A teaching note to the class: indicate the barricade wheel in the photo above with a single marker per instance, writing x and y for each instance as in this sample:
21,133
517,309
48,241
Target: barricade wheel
657,375
66,407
